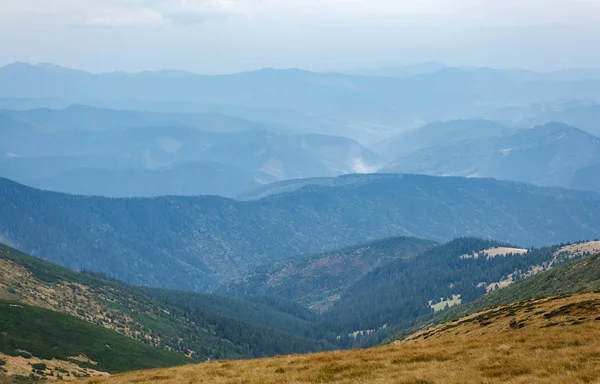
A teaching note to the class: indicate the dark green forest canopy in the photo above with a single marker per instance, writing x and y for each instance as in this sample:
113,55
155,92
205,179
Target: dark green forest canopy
198,243
397,296
315,280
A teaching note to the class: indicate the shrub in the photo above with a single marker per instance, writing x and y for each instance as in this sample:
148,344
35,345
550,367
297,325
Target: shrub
39,366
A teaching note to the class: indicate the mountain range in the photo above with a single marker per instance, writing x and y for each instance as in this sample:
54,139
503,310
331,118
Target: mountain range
583,114
74,324
180,133
438,134
156,219
199,243
92,151
554,154
366,107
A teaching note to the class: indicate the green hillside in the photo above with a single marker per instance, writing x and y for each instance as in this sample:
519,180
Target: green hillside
264,311
200,326
51,335
574,277
317,281
404,293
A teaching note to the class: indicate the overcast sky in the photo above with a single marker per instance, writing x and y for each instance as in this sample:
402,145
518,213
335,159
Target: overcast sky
219,36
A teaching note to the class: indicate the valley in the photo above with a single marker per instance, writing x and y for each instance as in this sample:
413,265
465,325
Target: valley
364,218
318,281
514,335
192,327
536,341
154,318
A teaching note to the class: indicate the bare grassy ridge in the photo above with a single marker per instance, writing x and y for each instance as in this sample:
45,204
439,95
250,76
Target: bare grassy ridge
552,340
198,325
63,370
87,303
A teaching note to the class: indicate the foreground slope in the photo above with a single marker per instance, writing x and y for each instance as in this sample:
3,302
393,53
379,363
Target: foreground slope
195,325
199,243
538,341
33,335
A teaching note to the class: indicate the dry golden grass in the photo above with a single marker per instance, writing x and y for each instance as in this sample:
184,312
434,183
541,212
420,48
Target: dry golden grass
17,365
539,341
581,248
493,252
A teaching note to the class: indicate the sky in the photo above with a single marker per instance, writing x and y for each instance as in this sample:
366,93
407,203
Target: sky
223,36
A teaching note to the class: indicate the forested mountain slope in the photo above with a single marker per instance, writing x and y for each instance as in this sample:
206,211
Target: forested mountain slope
198,243
574,277
317,281
403,293
195,325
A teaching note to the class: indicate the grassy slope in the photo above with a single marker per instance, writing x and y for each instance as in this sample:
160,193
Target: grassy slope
581,275
260,311
556,343
398,293
196,323
48,334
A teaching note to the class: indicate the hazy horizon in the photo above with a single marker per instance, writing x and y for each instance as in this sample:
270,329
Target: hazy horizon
354,71
225,36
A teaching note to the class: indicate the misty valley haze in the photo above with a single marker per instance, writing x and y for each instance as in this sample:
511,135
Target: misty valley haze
178,133
330,191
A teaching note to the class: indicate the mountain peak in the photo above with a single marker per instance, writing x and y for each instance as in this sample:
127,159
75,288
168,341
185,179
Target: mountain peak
555,127
20,68
17,65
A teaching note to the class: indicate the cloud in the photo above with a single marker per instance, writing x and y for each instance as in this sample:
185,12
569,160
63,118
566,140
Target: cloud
124,19
189,12
177,12
233,35
122,12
